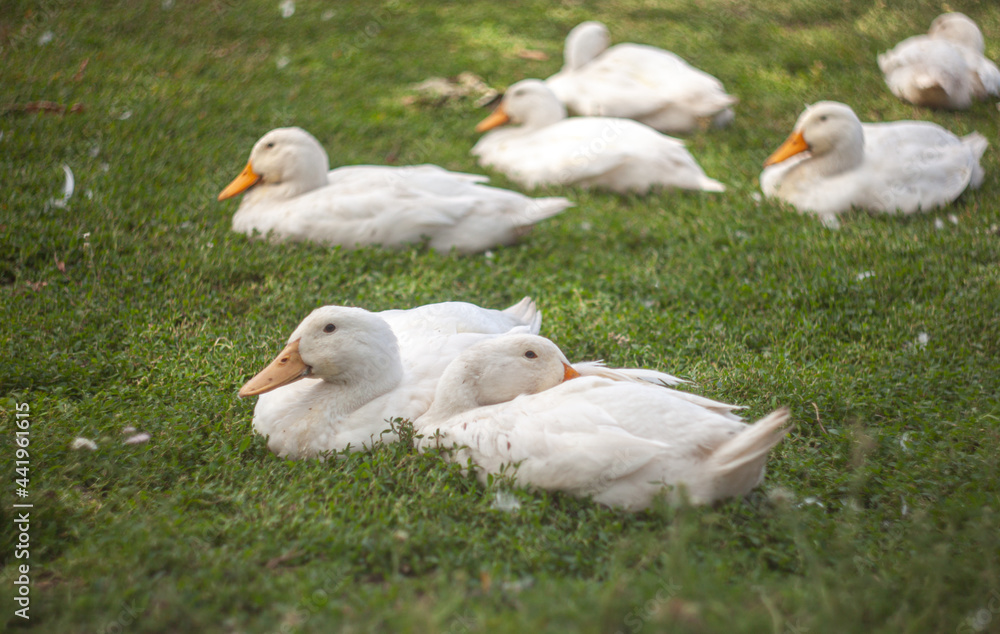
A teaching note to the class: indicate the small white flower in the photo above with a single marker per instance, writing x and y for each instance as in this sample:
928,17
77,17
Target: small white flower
45,38
756,197
327,15
287,8
864,275
938,224
282,61
167,4
922,339
488,255
953,219
83,443
129,430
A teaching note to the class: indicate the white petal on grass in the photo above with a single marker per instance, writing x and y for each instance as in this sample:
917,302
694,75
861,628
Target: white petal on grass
864,275
812,500
45,38
129,430
922,339
904,441
327,15
938,224
138,439
167,4
506,501
953,219
282,62
69,186
83,443
287,8
756,197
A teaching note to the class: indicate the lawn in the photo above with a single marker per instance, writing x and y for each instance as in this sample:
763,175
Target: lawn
132,304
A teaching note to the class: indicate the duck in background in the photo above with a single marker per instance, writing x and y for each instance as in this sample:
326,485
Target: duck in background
636,81
832,162
291,194
944,69
507,403
543,147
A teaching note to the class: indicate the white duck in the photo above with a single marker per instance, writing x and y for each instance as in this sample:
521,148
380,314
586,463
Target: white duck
636,81
504,403
832,162
945,68
546,148
346,371
291,194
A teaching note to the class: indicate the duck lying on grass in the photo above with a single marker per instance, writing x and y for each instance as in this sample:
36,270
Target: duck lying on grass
346,371
291,194
546,148
636,81
945,68
506,403
832,162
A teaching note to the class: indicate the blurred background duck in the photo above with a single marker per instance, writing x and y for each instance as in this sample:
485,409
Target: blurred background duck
636,81
946,68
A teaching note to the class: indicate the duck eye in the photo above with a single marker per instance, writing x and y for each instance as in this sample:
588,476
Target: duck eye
823,118
531,354
270,145
329,328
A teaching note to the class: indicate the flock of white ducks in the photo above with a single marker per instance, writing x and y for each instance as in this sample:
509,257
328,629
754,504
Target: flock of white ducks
482,382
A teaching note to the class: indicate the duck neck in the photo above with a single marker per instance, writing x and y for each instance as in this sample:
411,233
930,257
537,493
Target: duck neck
847,155
456,393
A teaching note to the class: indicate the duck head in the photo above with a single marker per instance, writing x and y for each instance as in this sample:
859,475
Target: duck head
826,128
499,370
584,42
341,345
529,103
958,28
286,157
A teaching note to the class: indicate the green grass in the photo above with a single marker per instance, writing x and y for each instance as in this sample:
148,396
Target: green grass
879,513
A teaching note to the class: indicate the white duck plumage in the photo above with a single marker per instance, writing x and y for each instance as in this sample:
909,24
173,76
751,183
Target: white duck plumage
636,81
346,371
546,148
832,162
945,68
504,403
291,194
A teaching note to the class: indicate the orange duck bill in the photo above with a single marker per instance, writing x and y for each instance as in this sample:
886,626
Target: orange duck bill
287,367
495,120
569,372
795,144
243,182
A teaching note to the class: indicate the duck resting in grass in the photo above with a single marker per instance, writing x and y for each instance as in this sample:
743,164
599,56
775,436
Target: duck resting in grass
944,69
346,371
636,81
507,403
543,147
289,193
832,162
